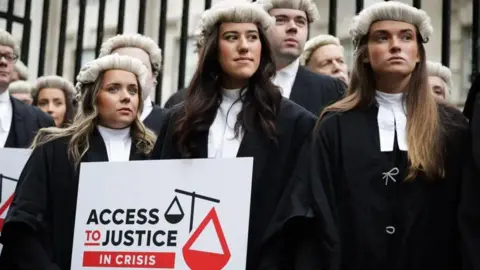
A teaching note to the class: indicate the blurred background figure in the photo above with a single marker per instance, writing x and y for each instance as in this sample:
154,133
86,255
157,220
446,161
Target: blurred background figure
55,95
20,72
439,80
324,54
21,90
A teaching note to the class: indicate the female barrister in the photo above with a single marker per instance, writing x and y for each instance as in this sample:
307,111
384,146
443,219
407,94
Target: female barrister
55,96
387,157
233,110
39,227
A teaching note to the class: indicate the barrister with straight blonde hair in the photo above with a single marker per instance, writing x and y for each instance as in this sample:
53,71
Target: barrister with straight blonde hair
387,157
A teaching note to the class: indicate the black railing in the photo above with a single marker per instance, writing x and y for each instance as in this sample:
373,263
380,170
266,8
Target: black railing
101,20
26,22
446,25
62,39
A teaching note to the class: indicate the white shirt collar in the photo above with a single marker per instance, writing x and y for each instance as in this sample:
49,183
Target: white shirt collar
114,134
5,96
392,119
285,77
6,113
147,108
222,142
231,94
290,70
117,142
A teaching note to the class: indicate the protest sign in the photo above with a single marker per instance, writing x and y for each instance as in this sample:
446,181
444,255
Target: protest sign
168,214
12,162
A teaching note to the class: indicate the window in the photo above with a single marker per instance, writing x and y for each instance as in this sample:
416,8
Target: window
348,52
87,56
3,5
466,63
191,61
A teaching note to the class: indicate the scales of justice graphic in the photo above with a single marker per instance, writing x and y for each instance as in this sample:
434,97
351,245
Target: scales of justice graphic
195,259
4,206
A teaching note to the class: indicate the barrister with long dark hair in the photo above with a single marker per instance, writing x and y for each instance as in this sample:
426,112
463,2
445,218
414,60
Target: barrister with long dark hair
233,110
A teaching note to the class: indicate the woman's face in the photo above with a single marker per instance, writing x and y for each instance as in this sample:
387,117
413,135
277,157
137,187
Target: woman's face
239,51
393,48
53,102
118,99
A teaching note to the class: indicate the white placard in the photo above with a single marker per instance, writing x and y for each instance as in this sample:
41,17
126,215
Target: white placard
12,161
168,214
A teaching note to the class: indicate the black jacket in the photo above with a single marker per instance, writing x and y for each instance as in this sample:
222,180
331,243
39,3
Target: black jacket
26,121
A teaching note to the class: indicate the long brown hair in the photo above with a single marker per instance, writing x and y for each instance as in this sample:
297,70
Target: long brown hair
261,98
85,122
424,129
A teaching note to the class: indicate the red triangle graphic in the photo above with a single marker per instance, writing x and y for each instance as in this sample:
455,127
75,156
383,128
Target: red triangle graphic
4,208
201,260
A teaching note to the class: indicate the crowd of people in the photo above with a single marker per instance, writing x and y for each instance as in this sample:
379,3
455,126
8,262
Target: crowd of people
362,167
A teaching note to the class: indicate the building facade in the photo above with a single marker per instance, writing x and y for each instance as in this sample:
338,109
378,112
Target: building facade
460,43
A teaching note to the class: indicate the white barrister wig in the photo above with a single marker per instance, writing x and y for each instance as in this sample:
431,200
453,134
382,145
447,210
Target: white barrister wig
21,87
315,43
22,70
137,41
308,6
235,11
57,82
6,39
90,72
443,72
393,11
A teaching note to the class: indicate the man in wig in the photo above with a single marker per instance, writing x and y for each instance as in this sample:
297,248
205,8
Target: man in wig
287,38
146,50
19,122
325,55
439,80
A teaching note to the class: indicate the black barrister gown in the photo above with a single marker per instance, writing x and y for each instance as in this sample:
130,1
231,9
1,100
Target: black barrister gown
26,121
155,119
469,216
273,165
382,221
38,233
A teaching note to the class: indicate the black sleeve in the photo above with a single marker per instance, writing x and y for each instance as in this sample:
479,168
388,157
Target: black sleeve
469,216
24,233
341,87
469,208
176,99
164,136
305,231
475,130
313,239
